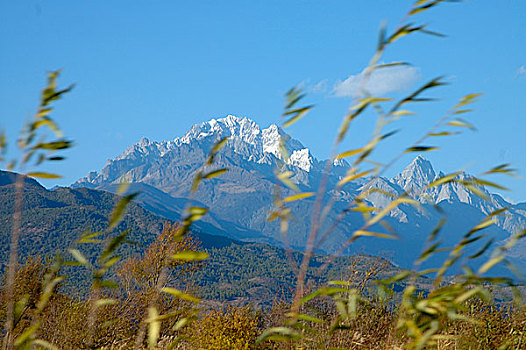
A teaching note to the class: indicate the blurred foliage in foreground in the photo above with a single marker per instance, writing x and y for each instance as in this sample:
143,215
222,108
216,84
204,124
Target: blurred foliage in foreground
373,325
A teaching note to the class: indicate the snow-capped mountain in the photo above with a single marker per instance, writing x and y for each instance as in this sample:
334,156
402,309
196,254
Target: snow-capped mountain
241,199
246,139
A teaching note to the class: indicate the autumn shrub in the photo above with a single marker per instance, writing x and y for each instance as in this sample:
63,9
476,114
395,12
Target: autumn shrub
227,328
28,288
64,319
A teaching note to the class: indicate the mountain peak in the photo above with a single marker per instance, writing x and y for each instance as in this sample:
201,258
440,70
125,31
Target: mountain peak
244,129
144,142
417,174
248,138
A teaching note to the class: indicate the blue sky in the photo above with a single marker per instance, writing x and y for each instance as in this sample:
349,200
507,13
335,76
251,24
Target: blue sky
153,68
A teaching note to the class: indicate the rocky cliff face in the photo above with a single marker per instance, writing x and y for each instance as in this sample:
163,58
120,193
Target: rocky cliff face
241,198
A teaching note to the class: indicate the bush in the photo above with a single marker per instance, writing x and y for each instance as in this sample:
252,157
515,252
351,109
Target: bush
227,328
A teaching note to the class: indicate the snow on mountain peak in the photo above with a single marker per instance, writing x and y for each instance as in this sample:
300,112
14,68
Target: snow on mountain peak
302,159
270,139
417,174
246,138
143,142
235,127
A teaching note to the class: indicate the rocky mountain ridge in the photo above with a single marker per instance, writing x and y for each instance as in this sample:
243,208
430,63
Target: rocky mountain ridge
242,197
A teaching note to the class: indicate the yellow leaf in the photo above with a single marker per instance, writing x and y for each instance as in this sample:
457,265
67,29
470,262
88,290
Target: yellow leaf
402,112
298,196
284,177
349,153
461,124
351,177
215,173
43,175
373,234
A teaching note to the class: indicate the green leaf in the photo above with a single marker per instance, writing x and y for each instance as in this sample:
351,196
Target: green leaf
112,246
462,111
104,302
195,213
284,177
487,222
503,169
359,233
304,317
196,182
178,294
323,291
397,278
109,284
3,141
42,112
428,252
20,306
89,238
490,263
368,101
420,149
292,97
347,120
190,256
50,95
403,31
420,7
118,212
26,335
413,96
219,145
123,187
278,334
392,64
154,327
79,257
46,121
482,250
442,133
297,115
55,145
112,261
363,208
488,183
44,344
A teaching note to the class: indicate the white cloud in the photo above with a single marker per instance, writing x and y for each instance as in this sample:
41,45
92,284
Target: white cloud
382,81
521,72
319,88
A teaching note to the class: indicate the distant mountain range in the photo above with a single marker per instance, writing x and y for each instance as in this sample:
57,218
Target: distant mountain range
238,272
241,198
